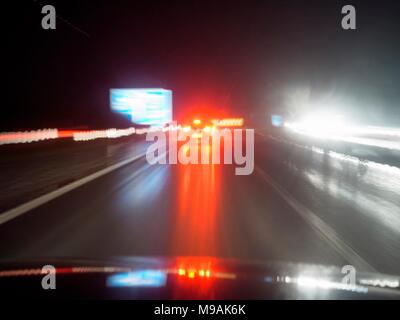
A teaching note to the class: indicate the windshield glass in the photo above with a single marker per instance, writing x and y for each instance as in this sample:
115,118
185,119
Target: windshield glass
259,132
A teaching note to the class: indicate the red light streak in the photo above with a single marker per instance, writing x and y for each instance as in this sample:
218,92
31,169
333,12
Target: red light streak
197,199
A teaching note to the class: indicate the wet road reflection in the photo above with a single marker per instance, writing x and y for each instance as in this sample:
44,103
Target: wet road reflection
197,197
207,210
372,188
359,199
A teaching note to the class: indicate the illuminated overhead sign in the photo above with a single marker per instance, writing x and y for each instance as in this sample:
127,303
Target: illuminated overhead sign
276,120
143,106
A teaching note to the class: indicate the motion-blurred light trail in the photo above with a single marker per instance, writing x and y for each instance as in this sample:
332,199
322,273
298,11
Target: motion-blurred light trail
337,131
28,136
197,197
96,134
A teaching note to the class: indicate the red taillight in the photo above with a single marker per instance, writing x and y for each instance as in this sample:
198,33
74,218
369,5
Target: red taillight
192,273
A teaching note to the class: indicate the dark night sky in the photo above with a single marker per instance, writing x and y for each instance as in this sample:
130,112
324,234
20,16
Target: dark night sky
223,57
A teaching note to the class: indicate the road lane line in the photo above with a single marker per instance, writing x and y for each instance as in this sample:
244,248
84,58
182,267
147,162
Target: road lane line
32,204
321,227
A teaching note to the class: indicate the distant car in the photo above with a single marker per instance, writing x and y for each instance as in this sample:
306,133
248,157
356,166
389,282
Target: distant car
200,126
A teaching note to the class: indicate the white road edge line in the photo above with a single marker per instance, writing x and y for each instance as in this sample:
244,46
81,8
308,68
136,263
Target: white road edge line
32,204
323,229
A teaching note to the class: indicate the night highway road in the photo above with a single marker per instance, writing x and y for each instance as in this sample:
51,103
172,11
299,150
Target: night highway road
200,150
299,205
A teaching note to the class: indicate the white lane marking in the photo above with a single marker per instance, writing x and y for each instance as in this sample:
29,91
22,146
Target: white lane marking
322,228
23,208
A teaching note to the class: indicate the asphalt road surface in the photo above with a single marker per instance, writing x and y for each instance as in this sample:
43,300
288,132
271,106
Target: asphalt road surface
299,205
